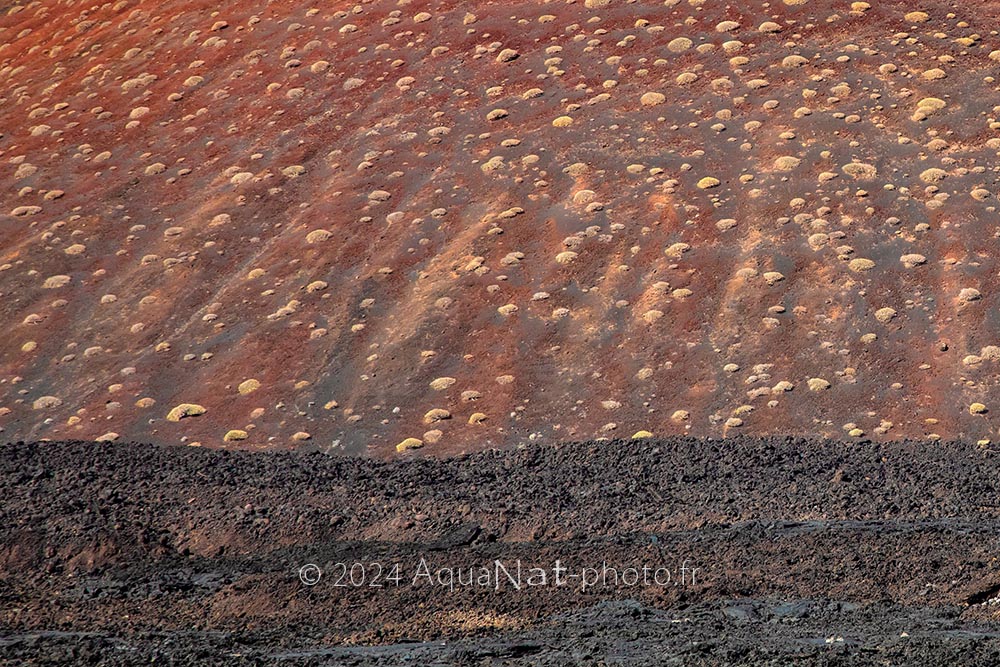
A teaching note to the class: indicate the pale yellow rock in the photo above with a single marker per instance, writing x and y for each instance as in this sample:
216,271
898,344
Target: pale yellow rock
185,410
884,315
679,44
55,282
818,384
318,236
651,99
933,175
787,163
507,55
442,383
860,170
22,211
46,402
677,249
409,443
436,415
248,386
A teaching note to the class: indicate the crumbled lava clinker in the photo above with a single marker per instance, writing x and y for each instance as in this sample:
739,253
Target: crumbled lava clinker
190,555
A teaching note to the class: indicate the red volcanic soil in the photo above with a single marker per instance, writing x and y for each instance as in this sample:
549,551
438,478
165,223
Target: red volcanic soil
470,224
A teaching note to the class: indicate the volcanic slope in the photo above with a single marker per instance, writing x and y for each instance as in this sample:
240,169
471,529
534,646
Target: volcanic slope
444,226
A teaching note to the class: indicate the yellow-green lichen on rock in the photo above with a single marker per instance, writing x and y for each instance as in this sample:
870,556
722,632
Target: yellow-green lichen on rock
408,444
248,386
185,410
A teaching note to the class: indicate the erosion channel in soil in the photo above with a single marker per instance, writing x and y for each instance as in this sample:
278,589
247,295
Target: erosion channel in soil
748,551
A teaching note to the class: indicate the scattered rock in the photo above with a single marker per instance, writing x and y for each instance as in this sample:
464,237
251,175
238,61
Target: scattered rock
46,403
408,444
185,410
248,386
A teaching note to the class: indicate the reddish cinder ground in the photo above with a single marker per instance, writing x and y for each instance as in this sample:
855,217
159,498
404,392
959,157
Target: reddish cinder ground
381,209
